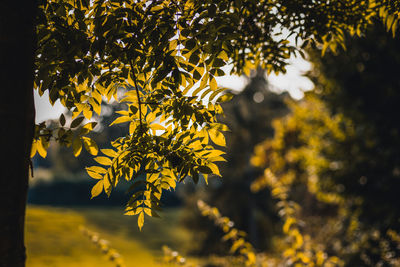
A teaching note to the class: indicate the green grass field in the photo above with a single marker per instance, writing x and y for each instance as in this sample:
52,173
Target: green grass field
53,237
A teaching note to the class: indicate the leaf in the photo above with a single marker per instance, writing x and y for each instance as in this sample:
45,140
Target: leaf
62,119
225,97
41,149
77,146
97,189
87,112
214,168
103,161
140,220
96,169
90,145
33,149
75,123
204,169
217,137
94,175
156,126
87,128
223,55
121,119
213,84
109,152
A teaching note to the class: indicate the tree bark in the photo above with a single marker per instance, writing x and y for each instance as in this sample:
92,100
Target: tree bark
17,118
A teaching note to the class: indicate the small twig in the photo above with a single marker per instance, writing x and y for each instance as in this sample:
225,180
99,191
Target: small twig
31,166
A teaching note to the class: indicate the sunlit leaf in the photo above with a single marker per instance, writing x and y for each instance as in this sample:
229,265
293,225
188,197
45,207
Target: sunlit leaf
77,146
140,220
34,148
97,189
217,137
90,145
41,148
109,152
103,160
121,119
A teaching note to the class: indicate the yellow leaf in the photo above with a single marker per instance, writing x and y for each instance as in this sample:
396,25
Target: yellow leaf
96,94
173,44
130,81
107,184
97,169
96,107
204,136
90,145
204,80
218,158
287,224
97,189
103,161
77,146
88,127
87,112
33,149
156,126
109,152
216,153
121,119
132,212
217,137
94,175
213,84
132,127
141,220
223,55
214,168
251,259
41,148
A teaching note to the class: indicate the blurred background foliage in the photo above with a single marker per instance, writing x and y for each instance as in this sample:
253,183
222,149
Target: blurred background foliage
313,182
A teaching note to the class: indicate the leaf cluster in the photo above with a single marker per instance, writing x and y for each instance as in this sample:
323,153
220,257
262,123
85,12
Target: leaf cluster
165,57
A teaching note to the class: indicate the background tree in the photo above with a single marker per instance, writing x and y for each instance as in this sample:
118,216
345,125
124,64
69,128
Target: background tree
337,156
158,50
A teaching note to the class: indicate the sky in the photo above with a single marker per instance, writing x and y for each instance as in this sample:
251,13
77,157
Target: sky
293,82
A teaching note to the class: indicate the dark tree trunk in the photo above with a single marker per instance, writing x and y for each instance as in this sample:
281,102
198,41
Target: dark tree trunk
17,115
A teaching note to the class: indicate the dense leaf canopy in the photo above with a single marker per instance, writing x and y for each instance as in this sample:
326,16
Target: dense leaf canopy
161,58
